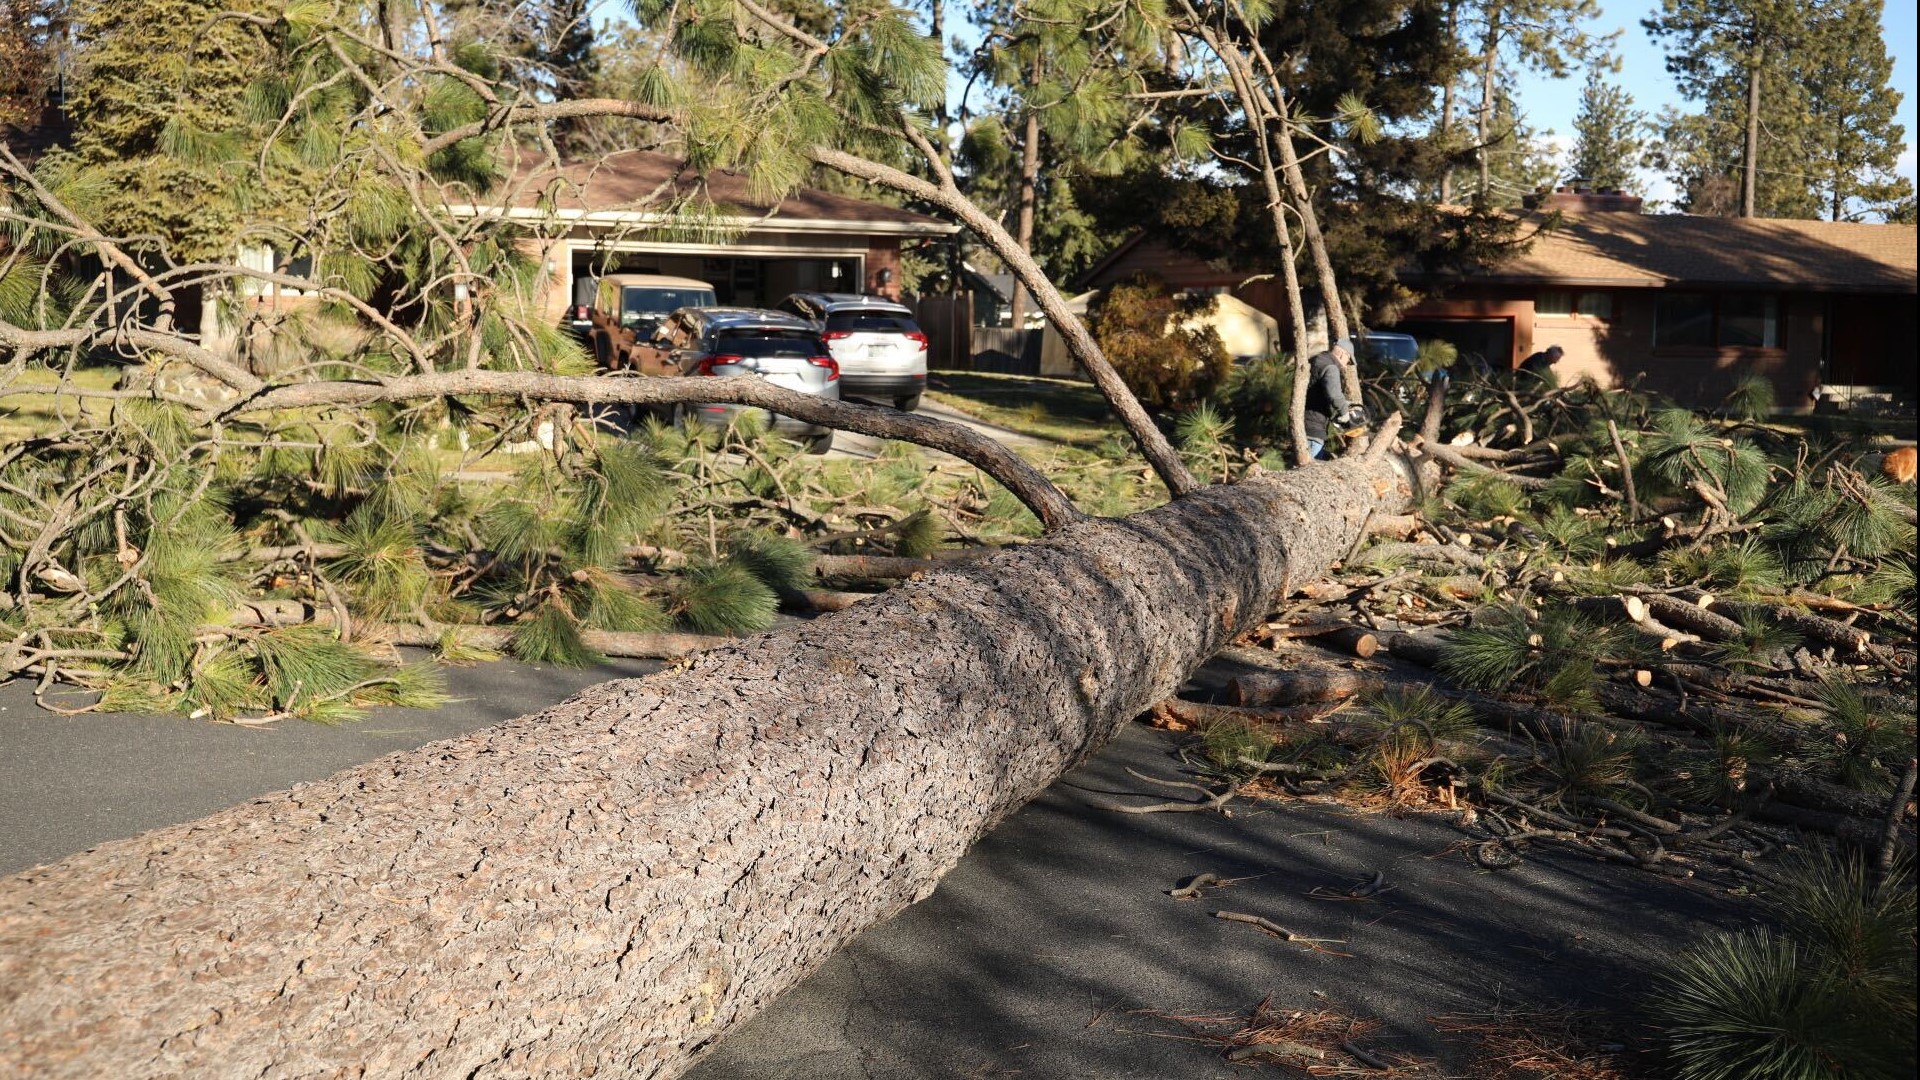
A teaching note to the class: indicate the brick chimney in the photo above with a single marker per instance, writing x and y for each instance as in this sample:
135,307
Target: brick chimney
1577,198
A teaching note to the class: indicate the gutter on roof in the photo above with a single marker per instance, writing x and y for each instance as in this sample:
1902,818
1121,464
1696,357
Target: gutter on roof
647,218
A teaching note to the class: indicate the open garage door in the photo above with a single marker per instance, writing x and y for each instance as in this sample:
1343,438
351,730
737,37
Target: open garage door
738,281
1491,340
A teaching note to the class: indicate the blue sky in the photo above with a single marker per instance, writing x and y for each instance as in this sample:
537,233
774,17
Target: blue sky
1552,103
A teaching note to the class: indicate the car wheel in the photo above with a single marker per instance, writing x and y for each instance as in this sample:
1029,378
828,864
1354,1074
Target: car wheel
821,443
910,403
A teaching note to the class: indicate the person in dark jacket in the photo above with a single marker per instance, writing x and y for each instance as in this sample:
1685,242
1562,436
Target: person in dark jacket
1326,397
1540,364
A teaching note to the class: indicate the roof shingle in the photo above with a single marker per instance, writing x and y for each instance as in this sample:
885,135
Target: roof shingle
1656,250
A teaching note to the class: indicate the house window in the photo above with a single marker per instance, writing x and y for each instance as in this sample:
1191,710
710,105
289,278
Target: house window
1703,320
1594,305
267,259
1683,320
1751,321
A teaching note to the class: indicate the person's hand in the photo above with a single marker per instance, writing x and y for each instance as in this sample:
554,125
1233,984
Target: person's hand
1357,416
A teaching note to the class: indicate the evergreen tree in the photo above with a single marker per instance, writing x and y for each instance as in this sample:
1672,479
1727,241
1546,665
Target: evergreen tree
1852,142
1539,35
32,33
1609,135
157,102
1732,56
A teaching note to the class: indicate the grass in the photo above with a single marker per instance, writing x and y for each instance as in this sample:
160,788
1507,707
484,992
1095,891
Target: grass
1065,411
23,416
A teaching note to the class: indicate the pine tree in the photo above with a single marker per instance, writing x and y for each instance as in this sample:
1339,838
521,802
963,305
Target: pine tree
1540,35
1852,142
32,33
153,118
1732,56
1609,135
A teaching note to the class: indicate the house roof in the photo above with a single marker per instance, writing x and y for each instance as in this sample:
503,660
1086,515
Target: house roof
53,128
636,187
1662,250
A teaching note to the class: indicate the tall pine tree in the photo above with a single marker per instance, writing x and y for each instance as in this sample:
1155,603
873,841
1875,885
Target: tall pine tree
1733,57
1609,134
1852,142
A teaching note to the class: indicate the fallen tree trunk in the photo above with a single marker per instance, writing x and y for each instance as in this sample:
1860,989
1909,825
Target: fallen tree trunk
613,883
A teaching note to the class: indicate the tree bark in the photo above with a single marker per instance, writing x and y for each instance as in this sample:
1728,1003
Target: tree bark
1750,167
610,885
1029,182
1490,52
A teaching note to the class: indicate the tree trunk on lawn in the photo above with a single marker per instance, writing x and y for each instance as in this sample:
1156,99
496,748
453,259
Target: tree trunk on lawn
613,883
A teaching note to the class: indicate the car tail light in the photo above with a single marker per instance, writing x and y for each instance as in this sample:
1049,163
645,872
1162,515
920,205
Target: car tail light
580,311
836,335
828,362
706,366
918,338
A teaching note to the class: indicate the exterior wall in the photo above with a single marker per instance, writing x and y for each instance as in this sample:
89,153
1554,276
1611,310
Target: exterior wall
550,302
1704,376
1184,272
883,254
1620,351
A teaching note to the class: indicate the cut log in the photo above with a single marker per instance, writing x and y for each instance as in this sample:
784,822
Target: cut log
1419,648
1350,640
1617,609
608,886
1301,687
1690,617
1805,623
824,600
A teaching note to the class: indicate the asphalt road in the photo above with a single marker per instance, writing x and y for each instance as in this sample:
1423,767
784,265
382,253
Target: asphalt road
850,444
70,782
1052,951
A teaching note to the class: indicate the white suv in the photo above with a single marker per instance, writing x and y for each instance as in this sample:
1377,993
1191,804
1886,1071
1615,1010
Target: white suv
880,349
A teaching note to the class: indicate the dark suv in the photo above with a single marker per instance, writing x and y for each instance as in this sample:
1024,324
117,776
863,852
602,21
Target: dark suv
780,348
881,350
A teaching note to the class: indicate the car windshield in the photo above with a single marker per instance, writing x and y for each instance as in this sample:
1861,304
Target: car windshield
1394,348
651,301
767,341
855,321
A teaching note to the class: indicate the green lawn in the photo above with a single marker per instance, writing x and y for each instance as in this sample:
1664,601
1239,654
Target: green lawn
23,416
1065,411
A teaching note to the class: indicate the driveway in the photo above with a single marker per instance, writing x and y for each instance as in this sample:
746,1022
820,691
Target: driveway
848,444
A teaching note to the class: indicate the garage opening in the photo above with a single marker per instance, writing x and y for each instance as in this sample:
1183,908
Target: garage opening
1488,340
738,281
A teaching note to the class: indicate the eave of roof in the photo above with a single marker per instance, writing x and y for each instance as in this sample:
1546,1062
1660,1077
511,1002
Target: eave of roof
629,188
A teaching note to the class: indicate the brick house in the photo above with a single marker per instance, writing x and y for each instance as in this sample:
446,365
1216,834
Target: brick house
1690,305
1685,305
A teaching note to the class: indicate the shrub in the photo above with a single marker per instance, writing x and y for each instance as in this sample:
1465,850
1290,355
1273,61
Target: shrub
1146,335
